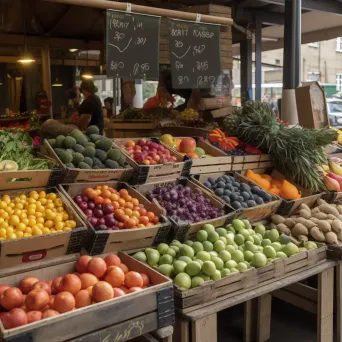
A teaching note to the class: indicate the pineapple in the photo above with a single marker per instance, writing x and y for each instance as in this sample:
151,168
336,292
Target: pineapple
230,124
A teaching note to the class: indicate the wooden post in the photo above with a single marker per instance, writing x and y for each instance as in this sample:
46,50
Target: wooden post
205,329
325,306
264,317
46,73
250,320
339,301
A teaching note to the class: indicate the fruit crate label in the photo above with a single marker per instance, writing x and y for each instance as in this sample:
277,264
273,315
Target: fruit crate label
132,45
162,235
194,54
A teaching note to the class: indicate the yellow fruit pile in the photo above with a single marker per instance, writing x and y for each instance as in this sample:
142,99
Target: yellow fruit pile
188,114
33,215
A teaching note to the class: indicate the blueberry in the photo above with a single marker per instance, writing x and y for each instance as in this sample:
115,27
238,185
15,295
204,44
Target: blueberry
236,189
244,205
255,189
233,197
236,184
245,195
232,179
259,200
230,187
236,205
207,184
226,199
221,184
240,199
251,203
245,187
227,192
211,180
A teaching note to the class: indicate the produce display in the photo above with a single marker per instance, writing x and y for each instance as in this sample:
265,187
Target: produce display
339,136
217,253
186,146
230,145
282,188
90,151
183,203
332,176
109,209
148,152
321,223
188,114
238,194
95,280
35,214
17,153
296,152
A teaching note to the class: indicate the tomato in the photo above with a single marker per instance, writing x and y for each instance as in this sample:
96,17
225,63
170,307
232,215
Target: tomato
107,201
106,193
135,201
155,220
127,198
141,225
116,204
142,211
123,192
130,223
144,220
128,212
120,225
92,195
136,214
129,205
98,187
133,279
150,224
119,214
114,197
121,202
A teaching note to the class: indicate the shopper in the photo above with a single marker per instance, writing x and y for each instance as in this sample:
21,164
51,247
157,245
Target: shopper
91,105
108,105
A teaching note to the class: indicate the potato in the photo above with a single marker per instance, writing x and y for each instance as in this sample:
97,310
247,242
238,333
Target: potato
289,222
301,220
305,207
299,229
309,224
320,216
314,220
329,221
331,238
336,226
277,219
294,240
331,217
324,226
282,228
272,226
303,238
326,208
317,234
321,201
339,208
304,213
315,211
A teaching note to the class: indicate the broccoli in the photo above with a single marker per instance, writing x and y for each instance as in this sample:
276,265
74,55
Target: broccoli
59,141
95,137
114,154
92,130
102,155
69,142
78,136
52,142
70,165
105,144
77,158
89,143
78,148
89,152
88,161
83,165
97,162
65,157
111,164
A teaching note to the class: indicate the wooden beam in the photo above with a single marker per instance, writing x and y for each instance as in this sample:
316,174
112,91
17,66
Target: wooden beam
54,43
46,74
62,15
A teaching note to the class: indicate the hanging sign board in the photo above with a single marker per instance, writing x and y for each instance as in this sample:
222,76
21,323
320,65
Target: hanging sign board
132,45
194,54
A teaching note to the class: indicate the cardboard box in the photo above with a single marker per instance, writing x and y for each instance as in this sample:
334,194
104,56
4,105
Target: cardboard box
106,241
30,249
131,315
72,175
312,106
184,230
254,214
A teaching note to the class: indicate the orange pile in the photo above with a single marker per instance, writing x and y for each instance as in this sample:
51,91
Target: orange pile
96,280
282,188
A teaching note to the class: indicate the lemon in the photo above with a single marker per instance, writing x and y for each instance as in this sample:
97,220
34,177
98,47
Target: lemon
58,202
11,236
22,197
21,227
59,225
14,220
31,222
19,234
7,199
34,195
46,230
4,215
27,235
72,224
31,201
48,223
43,201
36,231
3,232
59,209
3,205
58,218
31,211
4,224
42,194
25,221
28,230
39,214
49,206
1,220
50,215
51,196
67,228
17,212
40,220
65,216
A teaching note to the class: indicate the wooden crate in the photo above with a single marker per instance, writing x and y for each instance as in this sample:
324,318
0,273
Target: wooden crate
118,124
236,283
219,162
160,172
31,249
254,214
124,239
256,161
185,231
288,207
21,179
72,175
117,319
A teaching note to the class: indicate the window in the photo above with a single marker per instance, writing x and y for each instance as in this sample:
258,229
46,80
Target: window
315,44
339,44
313,76
339,82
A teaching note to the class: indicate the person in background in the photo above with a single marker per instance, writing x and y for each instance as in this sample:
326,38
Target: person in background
90,110
108,105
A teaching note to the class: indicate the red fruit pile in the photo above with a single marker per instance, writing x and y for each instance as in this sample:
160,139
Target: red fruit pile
95,280
148,152
109,209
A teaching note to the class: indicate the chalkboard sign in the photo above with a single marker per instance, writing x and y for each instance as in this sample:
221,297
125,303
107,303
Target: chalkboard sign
132,45
194,54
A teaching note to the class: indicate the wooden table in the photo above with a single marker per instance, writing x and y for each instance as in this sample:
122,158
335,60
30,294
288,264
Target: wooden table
203,320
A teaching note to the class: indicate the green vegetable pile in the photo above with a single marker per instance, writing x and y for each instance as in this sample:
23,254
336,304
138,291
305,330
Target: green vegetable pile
18,148
90,151
295,151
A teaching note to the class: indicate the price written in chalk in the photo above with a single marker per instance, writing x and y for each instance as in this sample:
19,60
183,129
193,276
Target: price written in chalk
194,54
132,45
